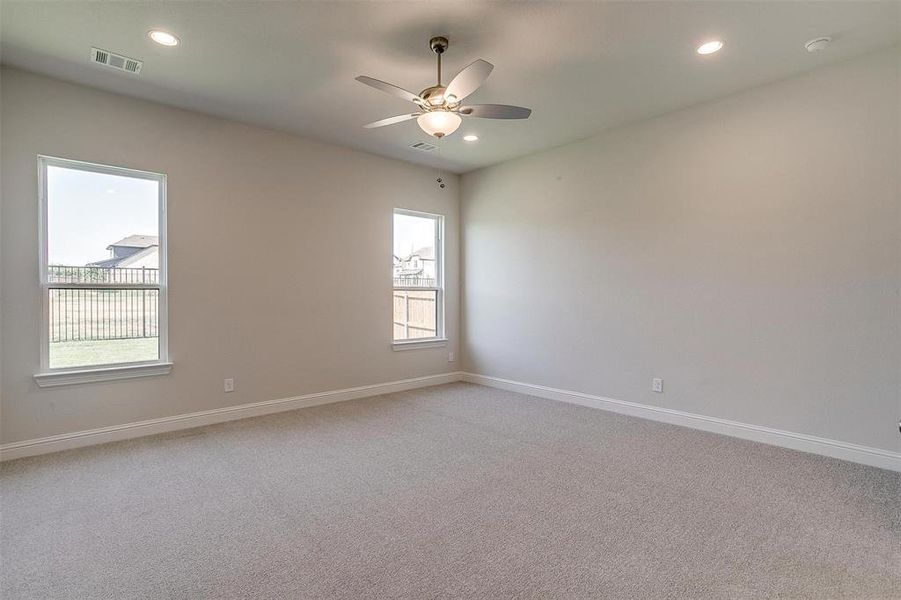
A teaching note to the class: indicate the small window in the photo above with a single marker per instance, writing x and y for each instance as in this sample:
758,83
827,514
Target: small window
103,266
418,276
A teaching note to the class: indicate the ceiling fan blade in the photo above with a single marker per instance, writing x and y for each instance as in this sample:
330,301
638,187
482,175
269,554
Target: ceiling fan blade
468,80
392,120
390,89
495,111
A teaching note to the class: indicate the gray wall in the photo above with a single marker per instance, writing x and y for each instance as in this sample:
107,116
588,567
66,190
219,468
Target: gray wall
279,250
746,250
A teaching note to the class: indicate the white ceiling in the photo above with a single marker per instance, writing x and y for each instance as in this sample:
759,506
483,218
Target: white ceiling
582,67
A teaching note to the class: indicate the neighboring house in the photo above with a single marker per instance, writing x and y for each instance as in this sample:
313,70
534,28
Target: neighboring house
418,264
133,252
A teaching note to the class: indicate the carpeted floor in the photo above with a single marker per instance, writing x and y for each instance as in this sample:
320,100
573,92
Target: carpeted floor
456,491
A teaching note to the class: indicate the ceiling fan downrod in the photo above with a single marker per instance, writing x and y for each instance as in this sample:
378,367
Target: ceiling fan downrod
438,45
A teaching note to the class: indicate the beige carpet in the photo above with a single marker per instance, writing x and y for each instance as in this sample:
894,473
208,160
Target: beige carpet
457,491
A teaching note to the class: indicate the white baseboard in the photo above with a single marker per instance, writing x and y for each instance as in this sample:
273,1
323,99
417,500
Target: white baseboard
797,441
126,431
866,455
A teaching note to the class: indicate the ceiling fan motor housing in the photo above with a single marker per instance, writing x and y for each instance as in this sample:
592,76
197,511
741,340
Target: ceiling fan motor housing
433,95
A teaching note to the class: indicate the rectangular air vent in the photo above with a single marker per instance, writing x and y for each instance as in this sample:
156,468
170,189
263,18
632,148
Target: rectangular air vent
116,61
423,147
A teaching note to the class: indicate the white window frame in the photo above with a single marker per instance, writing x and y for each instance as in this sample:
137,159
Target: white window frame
85,374
439,339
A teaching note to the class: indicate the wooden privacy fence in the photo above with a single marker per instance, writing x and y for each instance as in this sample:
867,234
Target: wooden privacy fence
415,314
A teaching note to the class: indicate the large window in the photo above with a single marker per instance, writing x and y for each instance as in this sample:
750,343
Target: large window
103,266
418,277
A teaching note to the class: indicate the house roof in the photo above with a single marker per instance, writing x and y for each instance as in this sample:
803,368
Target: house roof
124,261
137,241
426,253
108,263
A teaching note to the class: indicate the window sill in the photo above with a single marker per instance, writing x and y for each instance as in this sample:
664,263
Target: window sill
57,378
417,345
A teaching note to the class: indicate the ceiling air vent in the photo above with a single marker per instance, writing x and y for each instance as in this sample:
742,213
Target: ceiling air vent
423,147
116,61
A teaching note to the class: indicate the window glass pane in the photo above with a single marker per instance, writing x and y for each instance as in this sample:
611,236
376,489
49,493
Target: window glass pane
415,259
415,314
100,220
101,327
101,229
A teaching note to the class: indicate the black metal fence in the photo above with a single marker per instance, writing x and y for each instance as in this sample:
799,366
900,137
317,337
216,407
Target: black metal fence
67,274
413,281
79,314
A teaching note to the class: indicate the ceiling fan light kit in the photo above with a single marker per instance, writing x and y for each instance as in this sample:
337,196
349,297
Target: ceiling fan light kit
440,108
439,122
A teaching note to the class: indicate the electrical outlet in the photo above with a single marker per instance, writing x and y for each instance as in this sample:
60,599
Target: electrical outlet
450,357
229,385
657,385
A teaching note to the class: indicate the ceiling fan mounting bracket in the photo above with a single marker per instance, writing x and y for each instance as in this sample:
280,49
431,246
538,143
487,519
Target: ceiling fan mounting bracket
438,44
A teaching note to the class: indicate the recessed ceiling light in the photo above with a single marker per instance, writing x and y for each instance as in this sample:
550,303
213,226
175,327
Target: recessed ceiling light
470,138
710,47
817,44
163,37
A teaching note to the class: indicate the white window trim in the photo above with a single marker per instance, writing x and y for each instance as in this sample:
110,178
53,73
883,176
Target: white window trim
125,371
415,344
439,339
85,374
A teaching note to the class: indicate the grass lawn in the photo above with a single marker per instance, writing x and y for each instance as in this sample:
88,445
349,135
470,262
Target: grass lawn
102,352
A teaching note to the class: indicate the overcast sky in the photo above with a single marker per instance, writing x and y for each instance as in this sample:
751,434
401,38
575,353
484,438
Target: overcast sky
412,233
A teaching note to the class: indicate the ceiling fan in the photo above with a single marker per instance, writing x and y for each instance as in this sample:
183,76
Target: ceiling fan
440,108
